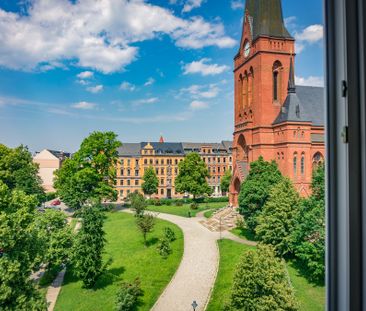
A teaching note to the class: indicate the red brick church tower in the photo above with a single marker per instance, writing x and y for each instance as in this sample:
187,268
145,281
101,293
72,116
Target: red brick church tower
273,118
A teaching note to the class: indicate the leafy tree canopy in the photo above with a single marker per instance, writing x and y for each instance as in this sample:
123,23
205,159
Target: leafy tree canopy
225,181
278,218
90,174
309,235
20,250
192,177
151,181
255,190
261,282
18,171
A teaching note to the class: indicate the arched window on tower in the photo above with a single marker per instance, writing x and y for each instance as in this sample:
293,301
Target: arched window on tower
303,163
251,87
241,97
245,90
295,164
277,80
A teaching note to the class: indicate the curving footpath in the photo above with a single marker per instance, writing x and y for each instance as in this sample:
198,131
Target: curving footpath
195,277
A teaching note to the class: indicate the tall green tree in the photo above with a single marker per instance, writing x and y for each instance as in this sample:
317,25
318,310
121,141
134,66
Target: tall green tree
20,250
151,181
56,237
255,190
261,282
192,177
90,175
89,246
225,181
138,203
18,171
277,221
309,235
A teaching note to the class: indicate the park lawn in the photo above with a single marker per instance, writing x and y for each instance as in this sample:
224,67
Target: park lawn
209,213
310,297
185,209
131,259
244,234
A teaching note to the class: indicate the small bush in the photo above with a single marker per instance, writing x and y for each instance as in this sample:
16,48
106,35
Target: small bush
157,202
168,203
128,295
178,203
169,234
51,196
164,248
194,206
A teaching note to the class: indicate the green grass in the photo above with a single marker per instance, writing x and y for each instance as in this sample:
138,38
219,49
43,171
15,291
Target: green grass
183,210
209,213
310,297
245,234
131,259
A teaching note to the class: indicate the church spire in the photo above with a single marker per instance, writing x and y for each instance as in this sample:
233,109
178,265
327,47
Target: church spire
266,18
291,80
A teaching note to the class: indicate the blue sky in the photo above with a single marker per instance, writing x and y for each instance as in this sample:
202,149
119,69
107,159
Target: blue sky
139,68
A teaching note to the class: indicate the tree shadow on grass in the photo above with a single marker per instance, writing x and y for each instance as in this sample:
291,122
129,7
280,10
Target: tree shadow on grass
109,277
303,272
152,241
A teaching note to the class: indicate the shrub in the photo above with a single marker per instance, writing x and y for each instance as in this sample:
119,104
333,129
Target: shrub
169,234
168,203
194,206
178,203
138,203
261,282
164,248
128,295
50,196
157,202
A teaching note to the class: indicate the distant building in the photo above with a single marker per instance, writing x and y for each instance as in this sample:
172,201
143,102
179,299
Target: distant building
49,161
274,118
164,157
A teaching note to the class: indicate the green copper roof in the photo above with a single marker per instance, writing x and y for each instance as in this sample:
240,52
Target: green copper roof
267,18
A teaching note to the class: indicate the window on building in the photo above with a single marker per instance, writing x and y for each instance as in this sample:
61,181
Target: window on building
136,172
128,162
303,164
121,182
121,193
176,171
128,182
162,171
162,191
151,162
295,164
122,172
136,182
156,162
145,161
128,172
277,81
157,171
218,169
122,161
224,160
176,162
317,159
137,162
162,181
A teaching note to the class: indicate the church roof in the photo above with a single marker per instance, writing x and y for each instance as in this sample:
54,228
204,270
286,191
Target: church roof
304,105
266,18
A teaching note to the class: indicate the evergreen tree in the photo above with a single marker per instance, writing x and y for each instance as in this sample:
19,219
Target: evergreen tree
151,181
225,181
192,177
309,236
20,250
89,246
255,190
91,173
277,221
261,283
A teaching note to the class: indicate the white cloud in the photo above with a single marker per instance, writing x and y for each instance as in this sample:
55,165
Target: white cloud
310,81
203,68
127,86
311,34
95,34
200,91
237,4
95,89
84,105
149,81
290,21
191,4
85,75
151,100
198,105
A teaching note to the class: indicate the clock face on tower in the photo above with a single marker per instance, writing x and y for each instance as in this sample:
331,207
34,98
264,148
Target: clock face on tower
246,49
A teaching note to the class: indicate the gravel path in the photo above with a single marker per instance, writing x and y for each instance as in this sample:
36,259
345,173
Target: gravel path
196,274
